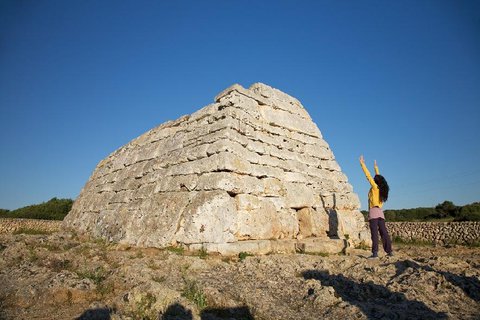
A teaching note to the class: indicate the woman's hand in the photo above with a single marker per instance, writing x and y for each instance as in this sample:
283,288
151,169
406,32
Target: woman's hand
361,159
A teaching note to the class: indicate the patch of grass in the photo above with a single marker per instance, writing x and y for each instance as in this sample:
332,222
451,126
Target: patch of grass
362,246
202,253
227,259
105,288
100,244
50,246
98,275
242,255
176,250
82,249
32,231
138,255
58,265
102,254
74,234
32,255
184,268
70,245
114,264
159,279
151,264
473,244
143,308
194,293
100,241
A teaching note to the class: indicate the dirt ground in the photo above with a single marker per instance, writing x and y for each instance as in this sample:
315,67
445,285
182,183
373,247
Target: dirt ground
61,276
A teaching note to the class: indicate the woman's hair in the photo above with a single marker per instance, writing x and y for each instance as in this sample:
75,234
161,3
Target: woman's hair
382,186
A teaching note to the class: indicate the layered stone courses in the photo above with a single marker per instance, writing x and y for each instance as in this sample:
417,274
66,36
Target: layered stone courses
251,166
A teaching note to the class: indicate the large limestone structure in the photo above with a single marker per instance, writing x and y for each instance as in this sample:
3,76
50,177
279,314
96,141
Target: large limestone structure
250,172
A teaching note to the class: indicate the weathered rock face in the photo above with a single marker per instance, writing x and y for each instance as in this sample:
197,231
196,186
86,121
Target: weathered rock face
251,166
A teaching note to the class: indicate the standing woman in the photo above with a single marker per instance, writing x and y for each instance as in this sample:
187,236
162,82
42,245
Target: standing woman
377,195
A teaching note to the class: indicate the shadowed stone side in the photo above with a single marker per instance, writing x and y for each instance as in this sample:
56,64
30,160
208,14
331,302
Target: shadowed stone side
251,166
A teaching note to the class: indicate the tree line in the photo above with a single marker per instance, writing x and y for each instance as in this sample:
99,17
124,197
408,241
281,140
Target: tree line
53,209
445,211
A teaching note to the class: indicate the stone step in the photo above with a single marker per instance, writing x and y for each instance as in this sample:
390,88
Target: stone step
309,245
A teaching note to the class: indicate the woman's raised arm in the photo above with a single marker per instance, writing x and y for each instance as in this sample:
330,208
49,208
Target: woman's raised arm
367,173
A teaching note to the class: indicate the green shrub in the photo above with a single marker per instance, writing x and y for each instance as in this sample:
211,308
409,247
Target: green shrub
362,246
159,279
105,288
202,253
242,255
176,250
58,265
98,275
474,244
194,293
143,309
469,212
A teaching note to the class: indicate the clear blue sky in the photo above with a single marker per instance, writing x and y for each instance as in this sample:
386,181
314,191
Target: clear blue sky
397,81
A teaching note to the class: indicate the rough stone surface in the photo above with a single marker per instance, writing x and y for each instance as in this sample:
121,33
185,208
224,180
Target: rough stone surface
61,276
251,166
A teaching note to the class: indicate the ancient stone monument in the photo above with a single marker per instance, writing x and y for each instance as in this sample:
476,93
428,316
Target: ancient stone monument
250,172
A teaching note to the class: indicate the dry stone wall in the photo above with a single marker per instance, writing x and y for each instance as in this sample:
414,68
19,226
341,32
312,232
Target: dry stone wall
10,225
437,232
251,166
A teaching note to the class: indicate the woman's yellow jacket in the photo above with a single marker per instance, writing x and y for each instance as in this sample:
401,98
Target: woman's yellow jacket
374,193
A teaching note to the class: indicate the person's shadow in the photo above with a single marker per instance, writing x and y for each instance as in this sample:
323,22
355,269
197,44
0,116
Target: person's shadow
178,312
96,314
375,301
469,285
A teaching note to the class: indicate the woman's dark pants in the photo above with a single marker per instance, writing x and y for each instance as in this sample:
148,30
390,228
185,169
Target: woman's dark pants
378,225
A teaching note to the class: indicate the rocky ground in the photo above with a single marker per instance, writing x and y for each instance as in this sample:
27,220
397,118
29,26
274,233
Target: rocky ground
61,276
